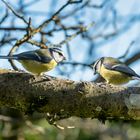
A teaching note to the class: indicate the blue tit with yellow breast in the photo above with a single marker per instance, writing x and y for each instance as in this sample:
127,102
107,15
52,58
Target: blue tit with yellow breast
39,61
114,71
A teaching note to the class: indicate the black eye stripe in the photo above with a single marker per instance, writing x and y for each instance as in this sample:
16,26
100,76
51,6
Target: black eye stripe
56,49
60,54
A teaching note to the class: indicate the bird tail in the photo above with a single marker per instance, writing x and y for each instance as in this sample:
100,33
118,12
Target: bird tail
8,57
137,77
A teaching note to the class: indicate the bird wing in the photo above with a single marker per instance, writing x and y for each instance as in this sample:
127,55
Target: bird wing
33,55
121,68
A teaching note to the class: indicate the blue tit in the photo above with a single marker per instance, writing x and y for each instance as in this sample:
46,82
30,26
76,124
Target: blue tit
38,61
114,71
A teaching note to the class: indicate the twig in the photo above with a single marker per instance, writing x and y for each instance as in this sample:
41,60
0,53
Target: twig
74,11
134,58
83,29
76,63
14,12
127,51
4,17
98,6
39,44
29,28
56,13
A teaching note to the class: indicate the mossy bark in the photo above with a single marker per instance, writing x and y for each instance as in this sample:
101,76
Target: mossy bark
29,93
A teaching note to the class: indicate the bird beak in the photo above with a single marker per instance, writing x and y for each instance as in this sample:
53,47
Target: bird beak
64,58
94,72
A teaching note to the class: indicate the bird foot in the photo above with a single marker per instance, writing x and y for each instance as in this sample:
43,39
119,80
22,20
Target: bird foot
47,77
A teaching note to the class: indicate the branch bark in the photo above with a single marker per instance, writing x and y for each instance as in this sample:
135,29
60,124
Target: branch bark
67,98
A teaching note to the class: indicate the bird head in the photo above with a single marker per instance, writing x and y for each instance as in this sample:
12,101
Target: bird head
57,54
97,64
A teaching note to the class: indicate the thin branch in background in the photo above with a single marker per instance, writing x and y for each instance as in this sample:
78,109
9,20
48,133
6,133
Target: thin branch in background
34,31
127,51
76,63
30,3
7,41
6,38
56,13
114,14
4,17
134,58
38,44
75,1
13,29
74,11
83,29
29,28
66,35
98,6
14,12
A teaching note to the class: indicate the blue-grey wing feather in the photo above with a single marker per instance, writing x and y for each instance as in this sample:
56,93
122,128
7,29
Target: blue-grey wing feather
32,55
121,68
107,66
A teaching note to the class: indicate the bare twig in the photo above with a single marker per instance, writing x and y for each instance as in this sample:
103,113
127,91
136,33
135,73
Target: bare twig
14,12
4,17
127,51
56,13
83,29
38,44
76,63
134,58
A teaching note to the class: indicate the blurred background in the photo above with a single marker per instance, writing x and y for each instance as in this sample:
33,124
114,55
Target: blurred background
117,25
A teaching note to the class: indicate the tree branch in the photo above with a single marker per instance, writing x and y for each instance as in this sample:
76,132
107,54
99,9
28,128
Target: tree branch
66,98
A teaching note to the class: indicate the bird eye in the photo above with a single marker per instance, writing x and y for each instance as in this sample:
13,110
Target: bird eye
60,54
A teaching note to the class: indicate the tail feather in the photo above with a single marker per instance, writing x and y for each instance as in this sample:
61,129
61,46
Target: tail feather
8,57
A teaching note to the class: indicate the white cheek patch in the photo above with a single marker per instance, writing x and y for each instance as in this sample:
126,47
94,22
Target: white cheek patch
57,57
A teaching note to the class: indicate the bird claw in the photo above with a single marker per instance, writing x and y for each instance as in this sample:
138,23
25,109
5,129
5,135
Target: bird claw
21,71
48,78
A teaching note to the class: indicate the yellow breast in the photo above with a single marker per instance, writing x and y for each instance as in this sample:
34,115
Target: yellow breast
37,67
114,77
